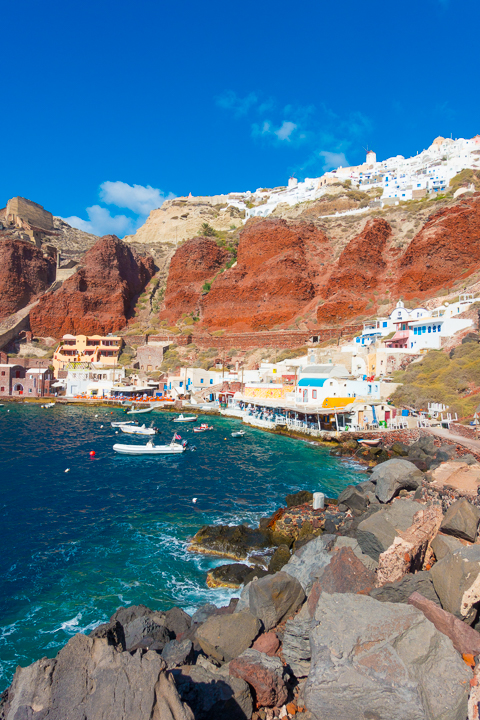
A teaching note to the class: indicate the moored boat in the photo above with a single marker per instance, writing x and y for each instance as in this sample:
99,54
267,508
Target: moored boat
185,418
202,428
138,430
139,411
123,422
173,448
371,443
238,433
48,405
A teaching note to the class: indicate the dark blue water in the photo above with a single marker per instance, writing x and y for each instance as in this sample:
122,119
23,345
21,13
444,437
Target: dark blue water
75,546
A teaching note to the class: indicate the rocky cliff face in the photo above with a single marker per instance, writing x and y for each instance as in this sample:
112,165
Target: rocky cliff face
193,264
291,272
446,248
24,274
98,298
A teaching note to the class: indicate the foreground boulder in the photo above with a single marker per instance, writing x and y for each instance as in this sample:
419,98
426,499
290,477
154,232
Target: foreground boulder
457,582
91,679
344,574
224,637
377,532
394,475
307,562
296,643
381,661
461,520
265,674
272,599
401,590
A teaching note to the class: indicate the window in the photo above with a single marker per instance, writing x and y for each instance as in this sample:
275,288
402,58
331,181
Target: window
424,329
314,394
201,380
429,329
29,390
211,381
2,389
385,324
434,328
3,372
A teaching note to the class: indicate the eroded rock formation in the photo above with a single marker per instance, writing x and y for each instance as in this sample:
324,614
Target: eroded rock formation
98,298
24,274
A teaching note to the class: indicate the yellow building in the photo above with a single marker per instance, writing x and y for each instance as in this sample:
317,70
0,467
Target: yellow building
103,350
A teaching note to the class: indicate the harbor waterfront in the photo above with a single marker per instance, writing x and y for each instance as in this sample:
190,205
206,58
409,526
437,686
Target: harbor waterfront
114,529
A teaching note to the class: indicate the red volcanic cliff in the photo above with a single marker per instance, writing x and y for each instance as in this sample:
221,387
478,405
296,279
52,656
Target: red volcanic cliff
275,277
447,247
24,273
359,271
97,299
193,264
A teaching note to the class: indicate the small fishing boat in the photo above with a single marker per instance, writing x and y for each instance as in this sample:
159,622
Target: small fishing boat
202,428
48,405
123,422
371,443
185,418
238,433
137,430
173,448
139,411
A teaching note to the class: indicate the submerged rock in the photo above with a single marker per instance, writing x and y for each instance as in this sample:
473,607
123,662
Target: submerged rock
232,576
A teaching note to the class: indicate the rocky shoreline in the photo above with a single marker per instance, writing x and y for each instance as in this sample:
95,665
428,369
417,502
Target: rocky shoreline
366,608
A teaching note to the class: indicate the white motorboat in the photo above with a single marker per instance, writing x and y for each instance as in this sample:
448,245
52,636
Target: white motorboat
203,428
238,433
185,418
137,430
139,411
124,422
173,448
48,405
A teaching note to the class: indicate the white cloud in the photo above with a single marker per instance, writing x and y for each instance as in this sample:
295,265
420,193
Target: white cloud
101,222
141,200
333,160
284,132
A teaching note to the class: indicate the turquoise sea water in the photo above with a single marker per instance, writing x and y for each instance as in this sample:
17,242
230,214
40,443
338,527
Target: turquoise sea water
114,530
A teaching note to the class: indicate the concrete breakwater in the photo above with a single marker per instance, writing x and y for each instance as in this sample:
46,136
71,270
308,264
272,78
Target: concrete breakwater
366,608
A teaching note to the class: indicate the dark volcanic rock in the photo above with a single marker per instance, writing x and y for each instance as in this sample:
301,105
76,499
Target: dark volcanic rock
344,574
177,621
232,575
24,274
457,582
461,520
212,695
235,541
177,653
299,498
354,498
273,598
224,637
465,639
280,557
394,475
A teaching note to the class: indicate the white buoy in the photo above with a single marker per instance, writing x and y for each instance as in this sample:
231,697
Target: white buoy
96,415
67,470
318,501
194,500
101,427
116,432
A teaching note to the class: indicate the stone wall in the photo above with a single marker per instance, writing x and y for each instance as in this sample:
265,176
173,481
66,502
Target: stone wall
30,212
466,431
278,339
150,357
174,339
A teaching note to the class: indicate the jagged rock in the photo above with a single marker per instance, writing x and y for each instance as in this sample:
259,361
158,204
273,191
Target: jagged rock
377,532
113,632
272,598
457,582
299,498
224,637
265,674
392,476
24,273
344,574
177,621
267,643
354,498
296,643
255,573
91,679
444,544
125,615
307,561
213,695
144,627
232,575
233,541
461,520
409,548
350,542
203,613
465,639
177,653
280,557
380,660
400,591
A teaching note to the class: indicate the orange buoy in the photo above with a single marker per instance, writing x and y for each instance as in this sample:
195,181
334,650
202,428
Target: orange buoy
92,453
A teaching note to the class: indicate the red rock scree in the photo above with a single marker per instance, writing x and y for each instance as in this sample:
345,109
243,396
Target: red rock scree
98,298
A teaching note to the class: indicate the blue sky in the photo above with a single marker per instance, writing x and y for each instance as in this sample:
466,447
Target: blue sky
110,107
